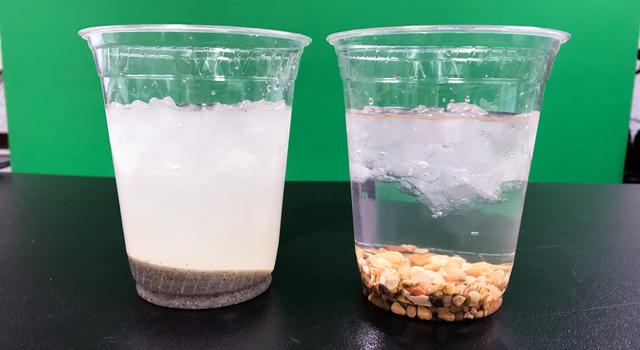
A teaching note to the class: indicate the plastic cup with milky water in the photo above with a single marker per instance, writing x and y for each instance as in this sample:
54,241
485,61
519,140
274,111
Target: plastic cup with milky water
198,120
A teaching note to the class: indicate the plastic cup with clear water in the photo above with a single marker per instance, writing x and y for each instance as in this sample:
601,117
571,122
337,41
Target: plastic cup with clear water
198,120
441,126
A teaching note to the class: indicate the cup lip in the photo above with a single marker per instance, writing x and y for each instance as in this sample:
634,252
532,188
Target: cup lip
193,28
559,35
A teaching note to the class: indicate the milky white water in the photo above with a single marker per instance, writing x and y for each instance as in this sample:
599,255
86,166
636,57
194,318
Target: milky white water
200,187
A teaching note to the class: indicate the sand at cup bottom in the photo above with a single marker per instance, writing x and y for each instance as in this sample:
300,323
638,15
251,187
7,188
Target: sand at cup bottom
450,181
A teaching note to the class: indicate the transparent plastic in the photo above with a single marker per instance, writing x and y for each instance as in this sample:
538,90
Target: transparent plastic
441,125
198,120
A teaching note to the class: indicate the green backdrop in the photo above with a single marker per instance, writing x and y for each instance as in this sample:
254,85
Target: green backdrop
56,118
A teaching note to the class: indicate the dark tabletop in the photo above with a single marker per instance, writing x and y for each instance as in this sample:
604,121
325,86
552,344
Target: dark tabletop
65,282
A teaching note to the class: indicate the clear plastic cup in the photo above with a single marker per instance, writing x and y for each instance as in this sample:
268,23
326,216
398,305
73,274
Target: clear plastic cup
441,125
198,120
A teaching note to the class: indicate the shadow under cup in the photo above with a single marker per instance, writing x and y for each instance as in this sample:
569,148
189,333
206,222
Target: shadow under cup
198,120
441,126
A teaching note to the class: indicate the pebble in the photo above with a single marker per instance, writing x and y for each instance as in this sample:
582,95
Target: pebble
449,289
453,277
474,297
439,260
380,262
422,275
390,279
477,269
397,309
395,258
403,299
458,300
409,247
494,291
377,301
458,260
416,290
405,272
492,306
365,268
418,259
424,313
411,311
446,316
469,279
365,279
422,300
435,301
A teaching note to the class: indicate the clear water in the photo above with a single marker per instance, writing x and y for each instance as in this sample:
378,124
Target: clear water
452,181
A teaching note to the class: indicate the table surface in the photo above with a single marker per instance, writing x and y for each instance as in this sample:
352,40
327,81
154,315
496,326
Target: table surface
65,282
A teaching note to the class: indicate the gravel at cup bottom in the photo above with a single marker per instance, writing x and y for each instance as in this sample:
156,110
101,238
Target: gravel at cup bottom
417,283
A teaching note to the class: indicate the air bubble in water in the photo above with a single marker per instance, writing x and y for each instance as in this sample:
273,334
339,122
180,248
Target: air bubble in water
213,92
467,99
370,101
475,233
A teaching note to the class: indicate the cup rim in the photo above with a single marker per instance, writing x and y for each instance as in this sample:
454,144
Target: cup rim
193,28
559,35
